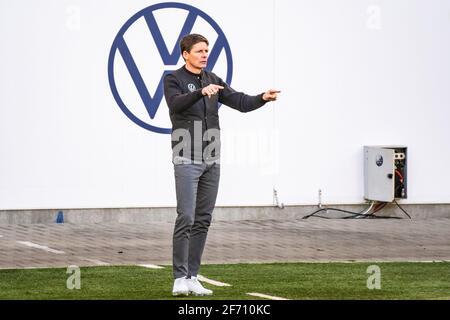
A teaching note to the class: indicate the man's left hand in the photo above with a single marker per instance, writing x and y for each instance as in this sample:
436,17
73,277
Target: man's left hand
270,95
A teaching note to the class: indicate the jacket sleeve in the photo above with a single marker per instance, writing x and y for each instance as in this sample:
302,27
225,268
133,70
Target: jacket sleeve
177,101
239,100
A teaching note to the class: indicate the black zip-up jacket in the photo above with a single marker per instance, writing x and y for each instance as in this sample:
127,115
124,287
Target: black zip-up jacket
190,110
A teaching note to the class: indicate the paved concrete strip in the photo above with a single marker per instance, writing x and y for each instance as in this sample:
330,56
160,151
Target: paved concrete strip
38,246
249,241
260,295
213,282
150,266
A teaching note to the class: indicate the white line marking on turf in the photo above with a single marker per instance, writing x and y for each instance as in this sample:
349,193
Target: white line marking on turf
369,261
97,262
255,294
38,246
150,266
26,268
213,282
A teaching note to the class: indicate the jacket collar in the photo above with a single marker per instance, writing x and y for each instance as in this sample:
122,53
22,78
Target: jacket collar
193,74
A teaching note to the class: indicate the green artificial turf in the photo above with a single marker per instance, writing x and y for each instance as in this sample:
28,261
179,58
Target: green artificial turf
399,280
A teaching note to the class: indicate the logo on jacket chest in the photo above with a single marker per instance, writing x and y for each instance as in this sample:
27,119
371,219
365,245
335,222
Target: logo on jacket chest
191,87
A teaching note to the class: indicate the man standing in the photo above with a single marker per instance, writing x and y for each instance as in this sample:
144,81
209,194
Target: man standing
193,95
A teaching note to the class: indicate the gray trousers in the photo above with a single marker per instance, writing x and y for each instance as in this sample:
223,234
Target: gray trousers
196,188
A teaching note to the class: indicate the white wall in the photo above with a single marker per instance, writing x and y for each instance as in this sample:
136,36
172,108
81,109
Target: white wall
352,73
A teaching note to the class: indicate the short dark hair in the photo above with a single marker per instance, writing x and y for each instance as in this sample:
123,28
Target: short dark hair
188,41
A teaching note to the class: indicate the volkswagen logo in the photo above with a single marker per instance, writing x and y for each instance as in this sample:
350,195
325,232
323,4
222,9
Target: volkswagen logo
146,48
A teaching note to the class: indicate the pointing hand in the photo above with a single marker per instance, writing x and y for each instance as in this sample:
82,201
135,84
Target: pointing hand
270,95
211,90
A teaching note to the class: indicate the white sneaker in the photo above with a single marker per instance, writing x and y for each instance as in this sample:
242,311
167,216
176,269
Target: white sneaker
180,287
196,288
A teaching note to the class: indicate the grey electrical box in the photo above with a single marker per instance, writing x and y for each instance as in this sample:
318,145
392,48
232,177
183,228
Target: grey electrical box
385,173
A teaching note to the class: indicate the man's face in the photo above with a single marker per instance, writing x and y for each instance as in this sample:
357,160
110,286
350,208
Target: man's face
198,57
